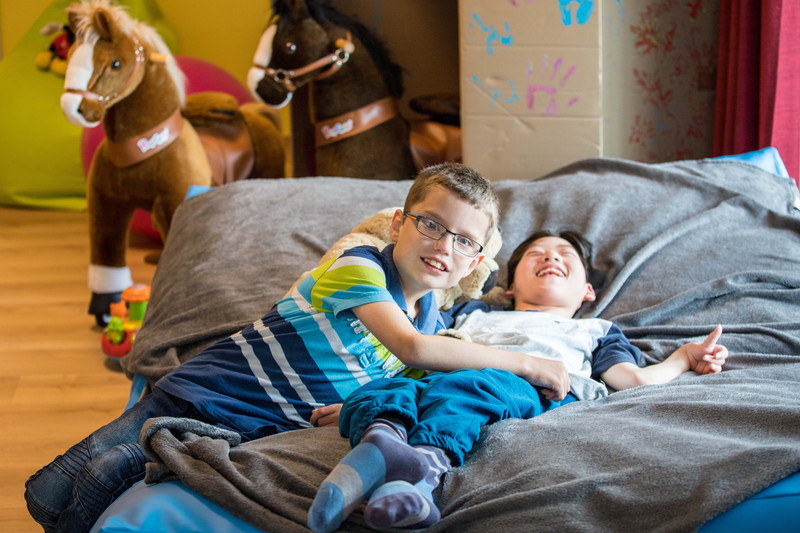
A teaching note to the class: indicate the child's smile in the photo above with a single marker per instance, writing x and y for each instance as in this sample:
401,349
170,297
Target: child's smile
551,271
434,264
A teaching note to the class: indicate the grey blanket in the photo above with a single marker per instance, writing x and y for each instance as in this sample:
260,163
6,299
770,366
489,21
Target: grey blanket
679,248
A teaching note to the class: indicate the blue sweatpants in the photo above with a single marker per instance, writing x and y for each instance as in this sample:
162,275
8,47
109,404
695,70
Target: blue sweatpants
445,410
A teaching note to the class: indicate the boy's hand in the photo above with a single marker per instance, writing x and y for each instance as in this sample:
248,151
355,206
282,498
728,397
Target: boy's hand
551,377
707,357
326,416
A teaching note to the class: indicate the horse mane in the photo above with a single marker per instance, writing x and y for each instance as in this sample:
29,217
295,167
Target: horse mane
321,11
128,26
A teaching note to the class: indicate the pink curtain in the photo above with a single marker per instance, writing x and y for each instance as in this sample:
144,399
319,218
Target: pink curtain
758,79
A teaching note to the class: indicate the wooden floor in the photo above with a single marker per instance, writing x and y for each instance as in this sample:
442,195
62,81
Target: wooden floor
56,385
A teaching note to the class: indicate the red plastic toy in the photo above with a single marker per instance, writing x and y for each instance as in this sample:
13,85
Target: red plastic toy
126,320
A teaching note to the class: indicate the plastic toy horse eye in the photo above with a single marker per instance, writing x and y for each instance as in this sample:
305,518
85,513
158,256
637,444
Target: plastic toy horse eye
290,47
115,64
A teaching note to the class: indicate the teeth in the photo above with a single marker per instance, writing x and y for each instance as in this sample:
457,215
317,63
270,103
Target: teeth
435,264
548,271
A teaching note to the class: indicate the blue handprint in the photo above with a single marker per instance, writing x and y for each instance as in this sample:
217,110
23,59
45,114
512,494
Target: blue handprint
582,14
497,94
493,35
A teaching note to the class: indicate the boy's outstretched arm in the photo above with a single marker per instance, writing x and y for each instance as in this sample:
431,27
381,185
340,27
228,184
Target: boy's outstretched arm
391,327
705,357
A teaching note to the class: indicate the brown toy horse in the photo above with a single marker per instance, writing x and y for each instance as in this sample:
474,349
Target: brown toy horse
354,89
120,73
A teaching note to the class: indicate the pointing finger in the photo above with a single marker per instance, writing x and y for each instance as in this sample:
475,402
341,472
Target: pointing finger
712,338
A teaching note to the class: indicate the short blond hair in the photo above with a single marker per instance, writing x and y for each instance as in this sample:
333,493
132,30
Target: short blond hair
465,182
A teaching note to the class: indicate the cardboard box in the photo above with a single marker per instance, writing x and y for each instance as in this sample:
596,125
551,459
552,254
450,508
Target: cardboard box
531,92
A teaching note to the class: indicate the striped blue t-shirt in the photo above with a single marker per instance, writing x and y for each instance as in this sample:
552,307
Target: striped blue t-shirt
310,350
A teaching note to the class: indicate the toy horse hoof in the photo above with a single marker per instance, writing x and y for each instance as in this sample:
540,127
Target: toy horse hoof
100,306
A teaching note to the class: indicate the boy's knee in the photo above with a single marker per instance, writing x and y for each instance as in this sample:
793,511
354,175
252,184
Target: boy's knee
49,491
466,376
103,479
114,468
493,377
44,512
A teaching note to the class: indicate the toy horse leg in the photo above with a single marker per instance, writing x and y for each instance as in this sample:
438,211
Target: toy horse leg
163,210
186,164
108,240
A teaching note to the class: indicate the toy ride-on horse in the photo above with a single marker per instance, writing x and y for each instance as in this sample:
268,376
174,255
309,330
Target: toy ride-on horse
121,73
354,87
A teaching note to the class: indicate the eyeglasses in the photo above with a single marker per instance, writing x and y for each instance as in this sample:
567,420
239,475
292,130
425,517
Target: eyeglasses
433,230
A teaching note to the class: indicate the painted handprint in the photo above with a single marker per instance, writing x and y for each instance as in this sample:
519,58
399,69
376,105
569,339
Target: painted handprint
549,85
496,93
493,36
583,12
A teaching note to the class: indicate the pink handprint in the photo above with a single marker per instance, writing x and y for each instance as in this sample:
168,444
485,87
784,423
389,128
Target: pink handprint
550,86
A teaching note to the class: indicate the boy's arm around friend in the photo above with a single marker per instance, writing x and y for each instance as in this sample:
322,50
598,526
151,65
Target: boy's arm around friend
391,327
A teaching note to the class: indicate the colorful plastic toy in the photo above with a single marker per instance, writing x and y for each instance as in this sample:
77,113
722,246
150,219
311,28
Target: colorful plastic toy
126,320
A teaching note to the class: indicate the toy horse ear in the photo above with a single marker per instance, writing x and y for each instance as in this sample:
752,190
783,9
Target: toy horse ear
72,20
299,10
103,23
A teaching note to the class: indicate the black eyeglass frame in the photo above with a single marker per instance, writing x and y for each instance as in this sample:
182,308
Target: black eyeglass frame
444,231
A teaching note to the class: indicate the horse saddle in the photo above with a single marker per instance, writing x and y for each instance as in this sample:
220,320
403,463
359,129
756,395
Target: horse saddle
229,150
224,134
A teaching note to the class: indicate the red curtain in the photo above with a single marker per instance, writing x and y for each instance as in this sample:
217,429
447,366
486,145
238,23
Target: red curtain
758,79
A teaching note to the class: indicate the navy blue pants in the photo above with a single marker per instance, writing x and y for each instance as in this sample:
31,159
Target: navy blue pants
445,410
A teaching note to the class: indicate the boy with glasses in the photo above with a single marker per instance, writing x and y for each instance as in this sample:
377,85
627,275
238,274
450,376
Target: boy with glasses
364,315
406,434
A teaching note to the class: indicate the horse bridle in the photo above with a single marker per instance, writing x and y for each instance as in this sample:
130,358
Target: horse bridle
331,63
107,101
131,151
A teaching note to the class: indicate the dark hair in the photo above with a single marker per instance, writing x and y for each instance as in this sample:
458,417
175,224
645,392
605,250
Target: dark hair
581,245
